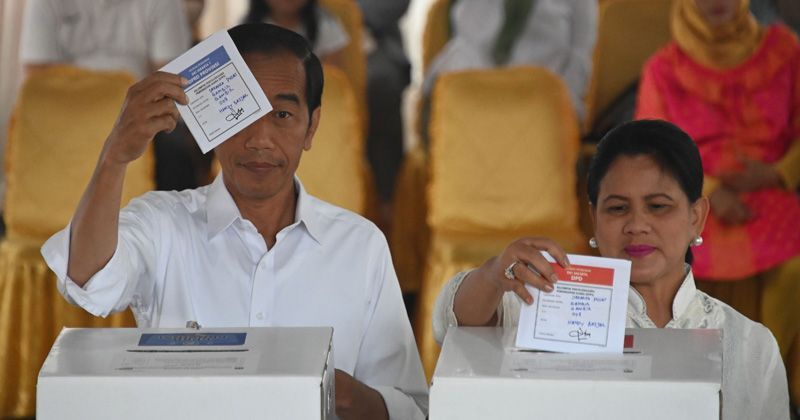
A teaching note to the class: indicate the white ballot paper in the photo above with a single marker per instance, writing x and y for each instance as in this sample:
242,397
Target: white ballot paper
223,95
586,311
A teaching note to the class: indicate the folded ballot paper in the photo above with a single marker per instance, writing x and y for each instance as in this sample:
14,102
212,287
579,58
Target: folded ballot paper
224,97
586,311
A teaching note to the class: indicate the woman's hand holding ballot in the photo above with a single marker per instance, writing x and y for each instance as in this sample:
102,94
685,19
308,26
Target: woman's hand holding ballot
149,108
520,264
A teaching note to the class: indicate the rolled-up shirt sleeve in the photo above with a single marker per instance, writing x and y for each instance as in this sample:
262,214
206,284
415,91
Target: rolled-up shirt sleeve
389,361
124,277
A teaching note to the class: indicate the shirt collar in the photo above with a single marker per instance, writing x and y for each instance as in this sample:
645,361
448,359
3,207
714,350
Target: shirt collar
222,211
683,298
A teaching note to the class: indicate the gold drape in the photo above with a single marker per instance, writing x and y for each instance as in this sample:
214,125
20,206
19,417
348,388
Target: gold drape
504,144
437,31
60,122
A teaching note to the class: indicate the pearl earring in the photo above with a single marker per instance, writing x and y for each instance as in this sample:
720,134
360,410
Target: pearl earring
593,242
697,241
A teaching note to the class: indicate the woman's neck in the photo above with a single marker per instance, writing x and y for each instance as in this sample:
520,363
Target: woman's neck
289,20
659,295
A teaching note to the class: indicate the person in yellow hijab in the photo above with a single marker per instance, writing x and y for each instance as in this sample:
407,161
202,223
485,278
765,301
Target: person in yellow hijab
734,86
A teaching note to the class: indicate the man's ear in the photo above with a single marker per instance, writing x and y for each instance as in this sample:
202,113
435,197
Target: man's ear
312,128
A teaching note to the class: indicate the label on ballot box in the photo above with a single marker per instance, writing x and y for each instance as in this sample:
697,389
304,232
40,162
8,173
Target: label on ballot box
223,95
585,313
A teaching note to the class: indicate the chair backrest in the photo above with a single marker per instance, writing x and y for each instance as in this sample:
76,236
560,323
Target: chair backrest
629,32
335,168
61,120
355,63
504,144
437,31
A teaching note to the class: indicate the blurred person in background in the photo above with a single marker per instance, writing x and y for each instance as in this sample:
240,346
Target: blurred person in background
324,32
734,86
388,74
557,34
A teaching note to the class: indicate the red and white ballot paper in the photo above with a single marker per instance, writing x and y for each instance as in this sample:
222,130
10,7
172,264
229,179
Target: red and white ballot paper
585,313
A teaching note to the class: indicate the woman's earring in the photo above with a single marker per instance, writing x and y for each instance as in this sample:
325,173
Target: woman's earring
697,241
593,242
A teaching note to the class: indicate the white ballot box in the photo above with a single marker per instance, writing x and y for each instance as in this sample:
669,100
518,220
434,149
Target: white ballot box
665,374
242,373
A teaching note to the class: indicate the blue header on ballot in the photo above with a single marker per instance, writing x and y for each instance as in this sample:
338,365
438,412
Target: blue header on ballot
193,339
205,66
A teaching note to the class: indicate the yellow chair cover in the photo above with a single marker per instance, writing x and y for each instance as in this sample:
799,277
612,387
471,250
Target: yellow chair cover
410,235
60,123
502,165
355,63
629,32
335,169
436,32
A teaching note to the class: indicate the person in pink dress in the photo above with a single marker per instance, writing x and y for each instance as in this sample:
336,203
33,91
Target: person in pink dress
734,86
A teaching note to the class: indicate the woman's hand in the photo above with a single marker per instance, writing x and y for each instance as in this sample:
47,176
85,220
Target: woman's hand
756,175
482,290
528,266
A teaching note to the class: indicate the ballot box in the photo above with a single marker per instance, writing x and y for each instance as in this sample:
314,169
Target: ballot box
664,374
242,373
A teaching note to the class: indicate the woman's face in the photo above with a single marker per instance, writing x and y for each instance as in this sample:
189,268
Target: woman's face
643,215
286,7
717,12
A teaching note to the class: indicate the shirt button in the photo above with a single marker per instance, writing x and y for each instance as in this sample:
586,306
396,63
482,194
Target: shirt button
260,315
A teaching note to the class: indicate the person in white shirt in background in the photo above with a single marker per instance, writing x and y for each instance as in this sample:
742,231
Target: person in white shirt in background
139,36
556,34
644,187
251,249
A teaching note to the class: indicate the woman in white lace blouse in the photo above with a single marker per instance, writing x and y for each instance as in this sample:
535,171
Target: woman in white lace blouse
644,188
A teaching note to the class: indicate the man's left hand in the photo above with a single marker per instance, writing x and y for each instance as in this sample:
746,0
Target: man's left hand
355,400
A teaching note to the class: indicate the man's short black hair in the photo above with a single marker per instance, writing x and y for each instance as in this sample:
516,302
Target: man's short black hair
264,38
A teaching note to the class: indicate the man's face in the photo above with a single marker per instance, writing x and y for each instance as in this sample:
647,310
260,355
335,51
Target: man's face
259,162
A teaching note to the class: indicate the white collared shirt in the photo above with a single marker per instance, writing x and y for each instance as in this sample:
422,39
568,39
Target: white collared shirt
754,382
190,256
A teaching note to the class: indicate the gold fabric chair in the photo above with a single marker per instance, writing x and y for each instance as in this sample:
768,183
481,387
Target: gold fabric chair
502,165
355,63
60,122
629,32
437,31
335,169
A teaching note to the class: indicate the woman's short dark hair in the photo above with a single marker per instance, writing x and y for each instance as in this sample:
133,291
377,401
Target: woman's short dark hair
669,146
263,38
259,10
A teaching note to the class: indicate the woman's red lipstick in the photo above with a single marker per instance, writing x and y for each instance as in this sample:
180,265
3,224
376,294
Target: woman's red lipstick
638,251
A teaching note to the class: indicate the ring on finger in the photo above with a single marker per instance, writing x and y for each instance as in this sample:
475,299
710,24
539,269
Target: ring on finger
509,271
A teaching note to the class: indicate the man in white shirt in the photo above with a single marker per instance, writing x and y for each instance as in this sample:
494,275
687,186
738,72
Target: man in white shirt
251,249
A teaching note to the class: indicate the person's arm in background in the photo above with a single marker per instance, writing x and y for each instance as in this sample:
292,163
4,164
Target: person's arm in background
39,41
583,37
170,34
